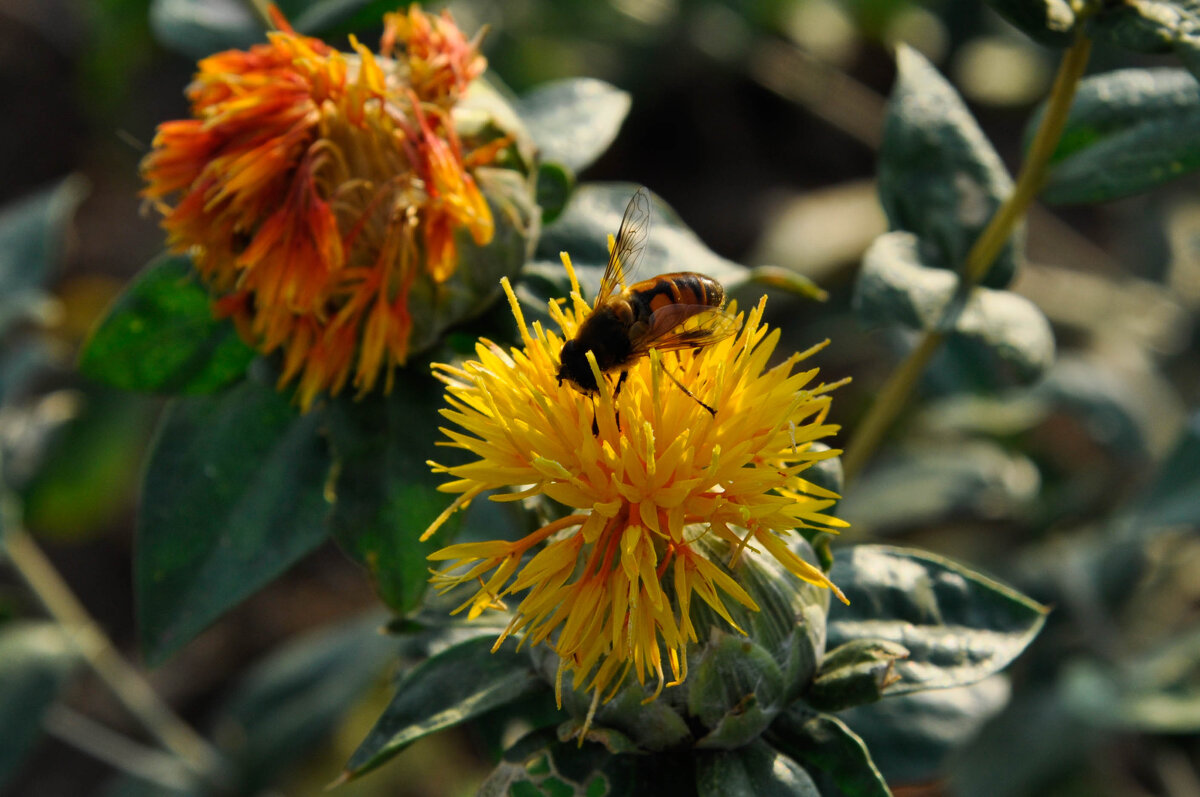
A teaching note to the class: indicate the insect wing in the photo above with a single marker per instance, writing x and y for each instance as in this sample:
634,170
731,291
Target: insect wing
685,326
628,246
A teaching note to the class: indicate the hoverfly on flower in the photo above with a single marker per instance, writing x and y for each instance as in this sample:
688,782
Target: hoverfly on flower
669,312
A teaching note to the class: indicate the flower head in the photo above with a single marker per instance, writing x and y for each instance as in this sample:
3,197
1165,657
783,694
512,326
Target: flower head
653,489
314,187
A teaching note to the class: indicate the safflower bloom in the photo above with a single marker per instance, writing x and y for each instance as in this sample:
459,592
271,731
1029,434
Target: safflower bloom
313,187
653,491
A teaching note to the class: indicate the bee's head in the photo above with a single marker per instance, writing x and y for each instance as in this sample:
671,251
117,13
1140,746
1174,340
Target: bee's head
575,368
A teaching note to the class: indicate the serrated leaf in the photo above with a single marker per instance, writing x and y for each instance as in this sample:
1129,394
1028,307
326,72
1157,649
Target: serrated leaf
911,736
1050,22
594,213
1004,334
939,176
1128,131
1151,26
294,698
33,232
573,121
1173,496
161,336
233,496
959,626
823,743
36,659
452,687
756,770
386,493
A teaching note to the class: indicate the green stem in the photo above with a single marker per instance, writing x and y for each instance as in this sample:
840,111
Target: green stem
126,683
895,392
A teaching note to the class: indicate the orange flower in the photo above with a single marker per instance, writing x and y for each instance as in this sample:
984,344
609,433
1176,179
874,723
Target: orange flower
313,188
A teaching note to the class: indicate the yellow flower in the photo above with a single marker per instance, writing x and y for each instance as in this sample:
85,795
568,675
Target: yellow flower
314,187
609,585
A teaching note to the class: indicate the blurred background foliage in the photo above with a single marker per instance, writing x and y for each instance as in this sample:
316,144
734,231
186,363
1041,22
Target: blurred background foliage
759,122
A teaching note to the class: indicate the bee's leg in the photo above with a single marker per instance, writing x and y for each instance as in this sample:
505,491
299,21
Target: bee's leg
620,383
675,379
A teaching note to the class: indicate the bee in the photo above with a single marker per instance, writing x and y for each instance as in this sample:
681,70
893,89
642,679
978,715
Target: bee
670,312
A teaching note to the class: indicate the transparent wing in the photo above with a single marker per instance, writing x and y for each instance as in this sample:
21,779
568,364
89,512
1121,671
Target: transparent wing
684,326
627,248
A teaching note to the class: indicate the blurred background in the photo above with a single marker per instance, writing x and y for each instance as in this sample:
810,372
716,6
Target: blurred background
759,122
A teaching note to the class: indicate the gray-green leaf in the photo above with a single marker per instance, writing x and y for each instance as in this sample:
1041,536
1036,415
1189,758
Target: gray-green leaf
823,743
35,660
1047,21
756,770
939,176
1128,131
573,121
1005,333
1151,26
959,626
452,687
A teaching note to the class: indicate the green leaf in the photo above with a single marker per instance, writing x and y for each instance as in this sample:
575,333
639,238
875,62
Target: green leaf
33,231
540,764
911,736
233,496
1002,334
1128,131
1173,496
1151,26
91,465
939,176
386,493
1025,749
594,213
452,687
959,626
755,770
292,700
36,659
573,121
1155,692
931,482
161,336
554,185
823,743
859,671
1050,22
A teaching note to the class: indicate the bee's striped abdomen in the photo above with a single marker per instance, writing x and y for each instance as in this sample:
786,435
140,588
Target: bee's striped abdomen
678,288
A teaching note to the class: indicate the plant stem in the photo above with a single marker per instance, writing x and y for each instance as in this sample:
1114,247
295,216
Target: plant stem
892,397
129,686
122,754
